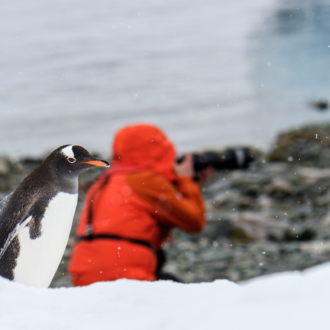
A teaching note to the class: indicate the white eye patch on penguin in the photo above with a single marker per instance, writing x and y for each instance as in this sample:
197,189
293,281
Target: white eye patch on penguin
67,151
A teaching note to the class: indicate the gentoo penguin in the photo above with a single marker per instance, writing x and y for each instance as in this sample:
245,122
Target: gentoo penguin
36,220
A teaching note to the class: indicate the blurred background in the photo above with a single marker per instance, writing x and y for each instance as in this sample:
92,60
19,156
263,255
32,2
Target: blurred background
210,73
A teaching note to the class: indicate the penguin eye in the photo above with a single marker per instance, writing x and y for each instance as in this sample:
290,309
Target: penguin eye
71,160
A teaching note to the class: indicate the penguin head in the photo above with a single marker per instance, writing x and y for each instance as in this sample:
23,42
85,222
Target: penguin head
71,160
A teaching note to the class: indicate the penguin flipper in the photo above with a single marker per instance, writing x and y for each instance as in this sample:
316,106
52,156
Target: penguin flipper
14,233
4,201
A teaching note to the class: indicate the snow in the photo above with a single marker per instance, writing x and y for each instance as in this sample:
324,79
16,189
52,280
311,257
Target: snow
291,300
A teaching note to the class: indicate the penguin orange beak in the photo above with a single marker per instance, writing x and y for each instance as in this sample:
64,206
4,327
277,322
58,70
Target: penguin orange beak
99,163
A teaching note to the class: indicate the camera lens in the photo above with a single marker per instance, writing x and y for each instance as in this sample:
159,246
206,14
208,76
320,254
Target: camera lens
228,159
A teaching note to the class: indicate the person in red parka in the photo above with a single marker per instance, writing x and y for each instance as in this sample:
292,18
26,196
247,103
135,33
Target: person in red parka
131,208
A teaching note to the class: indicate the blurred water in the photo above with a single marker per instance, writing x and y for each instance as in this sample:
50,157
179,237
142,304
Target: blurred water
210,73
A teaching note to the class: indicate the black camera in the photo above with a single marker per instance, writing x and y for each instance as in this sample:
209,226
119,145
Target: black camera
228,159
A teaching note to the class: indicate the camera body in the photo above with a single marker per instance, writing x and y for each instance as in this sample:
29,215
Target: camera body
228,159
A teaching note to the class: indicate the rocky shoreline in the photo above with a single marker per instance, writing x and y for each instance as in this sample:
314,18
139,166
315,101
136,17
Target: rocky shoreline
272,217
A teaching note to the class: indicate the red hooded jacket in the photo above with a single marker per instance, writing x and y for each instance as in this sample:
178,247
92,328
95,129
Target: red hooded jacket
138,199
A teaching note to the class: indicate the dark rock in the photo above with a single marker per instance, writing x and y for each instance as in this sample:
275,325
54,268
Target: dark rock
307,234
320,105
309,145
217,229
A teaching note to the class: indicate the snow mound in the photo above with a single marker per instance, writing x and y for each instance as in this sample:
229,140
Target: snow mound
292,300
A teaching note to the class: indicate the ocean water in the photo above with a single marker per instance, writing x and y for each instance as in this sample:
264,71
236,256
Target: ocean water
211,73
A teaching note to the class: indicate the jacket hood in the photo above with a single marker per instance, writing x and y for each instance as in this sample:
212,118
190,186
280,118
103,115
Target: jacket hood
144,146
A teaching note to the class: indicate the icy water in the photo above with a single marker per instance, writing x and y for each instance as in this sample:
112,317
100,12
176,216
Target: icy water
211,73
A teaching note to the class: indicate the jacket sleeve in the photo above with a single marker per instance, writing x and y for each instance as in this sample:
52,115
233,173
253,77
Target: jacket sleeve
181,206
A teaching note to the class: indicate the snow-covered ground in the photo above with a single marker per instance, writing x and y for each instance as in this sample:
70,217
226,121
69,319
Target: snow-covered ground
293,300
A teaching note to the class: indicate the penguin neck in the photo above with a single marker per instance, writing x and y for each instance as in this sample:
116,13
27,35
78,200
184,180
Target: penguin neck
64,182
68,185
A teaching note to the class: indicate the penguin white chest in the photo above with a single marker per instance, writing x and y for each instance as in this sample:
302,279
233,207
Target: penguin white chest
39,258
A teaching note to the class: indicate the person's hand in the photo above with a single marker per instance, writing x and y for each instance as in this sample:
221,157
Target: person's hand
185,168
